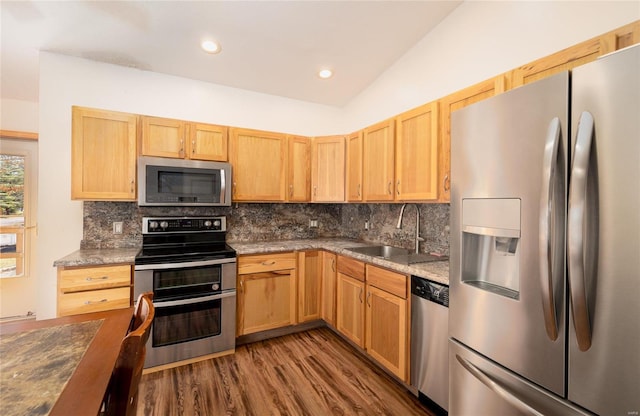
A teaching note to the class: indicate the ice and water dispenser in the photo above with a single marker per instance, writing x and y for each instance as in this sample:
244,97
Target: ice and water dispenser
490,245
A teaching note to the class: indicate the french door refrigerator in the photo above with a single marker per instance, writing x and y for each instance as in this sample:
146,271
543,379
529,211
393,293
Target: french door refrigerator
545,246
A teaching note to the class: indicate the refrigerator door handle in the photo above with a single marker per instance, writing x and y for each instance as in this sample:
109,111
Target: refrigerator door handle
576,233
499,387
548,207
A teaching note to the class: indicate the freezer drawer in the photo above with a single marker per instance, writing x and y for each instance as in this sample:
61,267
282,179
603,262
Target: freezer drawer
478,386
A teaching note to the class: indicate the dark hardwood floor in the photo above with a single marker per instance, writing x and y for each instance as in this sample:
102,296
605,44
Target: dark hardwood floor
308,373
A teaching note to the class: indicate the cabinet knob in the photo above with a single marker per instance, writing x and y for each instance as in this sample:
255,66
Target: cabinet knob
398,188
389,188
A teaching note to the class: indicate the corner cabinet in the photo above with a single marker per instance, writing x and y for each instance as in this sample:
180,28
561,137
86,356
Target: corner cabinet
258,159
93,289
298,166
378,161
309,285
266,292
350,294
327,169
354,167
416,162
103,155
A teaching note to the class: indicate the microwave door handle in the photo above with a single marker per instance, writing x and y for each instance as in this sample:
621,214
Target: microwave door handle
550,206
223,186
576,240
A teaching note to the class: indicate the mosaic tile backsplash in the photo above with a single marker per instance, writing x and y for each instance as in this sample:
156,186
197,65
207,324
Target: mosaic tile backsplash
263,222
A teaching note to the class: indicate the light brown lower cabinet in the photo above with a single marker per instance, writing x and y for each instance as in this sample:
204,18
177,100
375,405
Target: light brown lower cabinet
309,285
93,289
350,308
266,292
329,276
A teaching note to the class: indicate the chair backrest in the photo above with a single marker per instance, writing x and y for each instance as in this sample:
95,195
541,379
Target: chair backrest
121,398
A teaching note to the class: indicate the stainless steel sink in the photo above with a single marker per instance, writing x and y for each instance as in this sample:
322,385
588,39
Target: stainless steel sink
397,254
384,252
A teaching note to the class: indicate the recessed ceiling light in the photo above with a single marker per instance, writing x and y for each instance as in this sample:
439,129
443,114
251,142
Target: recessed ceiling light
325,73
210,46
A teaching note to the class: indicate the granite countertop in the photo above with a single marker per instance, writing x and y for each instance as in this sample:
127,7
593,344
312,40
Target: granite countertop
437,271
98,257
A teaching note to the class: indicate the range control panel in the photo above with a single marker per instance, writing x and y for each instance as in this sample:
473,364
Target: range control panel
157,225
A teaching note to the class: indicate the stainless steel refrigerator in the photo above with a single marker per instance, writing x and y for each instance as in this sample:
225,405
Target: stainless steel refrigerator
544,316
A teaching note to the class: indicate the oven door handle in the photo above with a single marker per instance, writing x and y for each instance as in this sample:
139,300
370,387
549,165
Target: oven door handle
166,266
180,302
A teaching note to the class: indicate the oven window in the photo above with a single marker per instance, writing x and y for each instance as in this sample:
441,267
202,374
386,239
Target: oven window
187,282
183,323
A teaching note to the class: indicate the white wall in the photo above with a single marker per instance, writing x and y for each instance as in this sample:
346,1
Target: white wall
18,115
479,40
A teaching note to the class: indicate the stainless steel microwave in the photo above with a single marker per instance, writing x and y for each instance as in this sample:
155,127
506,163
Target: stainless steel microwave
180,182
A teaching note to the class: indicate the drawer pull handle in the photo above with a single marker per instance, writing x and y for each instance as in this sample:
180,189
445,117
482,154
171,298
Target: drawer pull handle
90,279
268,263
89,302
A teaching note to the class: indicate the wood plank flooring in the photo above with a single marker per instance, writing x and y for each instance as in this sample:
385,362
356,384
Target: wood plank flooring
308,373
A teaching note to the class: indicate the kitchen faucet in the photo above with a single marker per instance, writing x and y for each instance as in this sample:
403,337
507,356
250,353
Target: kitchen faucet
399,226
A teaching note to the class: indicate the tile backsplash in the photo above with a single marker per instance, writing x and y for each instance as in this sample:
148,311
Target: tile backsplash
263,222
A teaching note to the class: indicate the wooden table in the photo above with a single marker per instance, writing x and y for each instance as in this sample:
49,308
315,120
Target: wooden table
84,390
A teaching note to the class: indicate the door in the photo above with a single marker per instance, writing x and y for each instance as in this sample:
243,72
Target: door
164,137
354,167
604,358
309,284
350,308
378,161
507,294
480,387
327,169
207,142
298,169
18,194
329,287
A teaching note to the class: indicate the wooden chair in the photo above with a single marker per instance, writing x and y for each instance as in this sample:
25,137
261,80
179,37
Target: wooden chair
121,398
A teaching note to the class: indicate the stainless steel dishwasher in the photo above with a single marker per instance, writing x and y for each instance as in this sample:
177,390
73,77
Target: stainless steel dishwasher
429,343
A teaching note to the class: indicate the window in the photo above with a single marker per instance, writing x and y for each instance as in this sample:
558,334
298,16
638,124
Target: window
17,194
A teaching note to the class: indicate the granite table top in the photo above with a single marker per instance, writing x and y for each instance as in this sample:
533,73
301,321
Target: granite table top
437,271
37,364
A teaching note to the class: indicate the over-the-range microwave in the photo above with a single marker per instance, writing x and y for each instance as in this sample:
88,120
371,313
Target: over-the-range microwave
181,182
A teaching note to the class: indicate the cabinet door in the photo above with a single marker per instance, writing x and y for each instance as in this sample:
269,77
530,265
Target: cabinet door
103,155
266,301
258,160
163,137
350,308
378,159
387,330
327,169
207,142
448,104
299,169
329,270
309,285
417,154
354,167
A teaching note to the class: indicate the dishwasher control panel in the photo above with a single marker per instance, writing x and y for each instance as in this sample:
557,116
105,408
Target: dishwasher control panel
432,291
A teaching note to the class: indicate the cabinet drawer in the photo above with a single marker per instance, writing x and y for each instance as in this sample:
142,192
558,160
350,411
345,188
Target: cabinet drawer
266,263
92,278
387,280
351,267
94,301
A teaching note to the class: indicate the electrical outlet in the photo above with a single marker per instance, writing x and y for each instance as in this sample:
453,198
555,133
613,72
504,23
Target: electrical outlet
313,223
117,227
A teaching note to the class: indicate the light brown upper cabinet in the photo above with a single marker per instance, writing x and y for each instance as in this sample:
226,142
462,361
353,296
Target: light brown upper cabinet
258,159
298,169
577,55
378,161
417,154
448,104
354,167
103,155
327,169
165,137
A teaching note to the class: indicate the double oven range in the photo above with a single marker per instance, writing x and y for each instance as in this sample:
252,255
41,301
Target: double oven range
191,271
